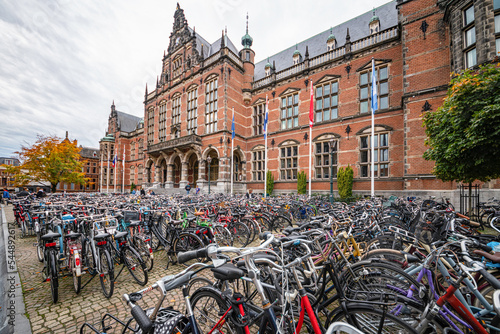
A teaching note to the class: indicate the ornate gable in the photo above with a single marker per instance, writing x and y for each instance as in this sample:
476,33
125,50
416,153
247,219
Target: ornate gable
180,32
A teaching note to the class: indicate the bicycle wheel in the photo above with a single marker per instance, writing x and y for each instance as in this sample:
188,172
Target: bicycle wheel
208,308
240,234
24,226
88,257
145,251
198,282
253,227
54,282
371,320
77,280
221,236
107,275
186,242
39,248
135,265
279,223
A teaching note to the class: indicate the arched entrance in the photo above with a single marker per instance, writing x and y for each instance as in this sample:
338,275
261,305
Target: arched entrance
176,171
213,166
193,169
163,171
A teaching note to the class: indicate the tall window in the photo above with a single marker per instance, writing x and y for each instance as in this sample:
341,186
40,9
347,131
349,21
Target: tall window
381,155
192,111
469,32
162,122
177,67
365,86
211,106
132,176
290,111
132,151
139,174
288,162
258,119
151,125
141,149
322,161
327,101
176,115
258,157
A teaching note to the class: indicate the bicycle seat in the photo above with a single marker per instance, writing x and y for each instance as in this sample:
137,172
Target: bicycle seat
51,236
180,281
175,222
119,235
101,236
135,223
227,272
73,235
495,258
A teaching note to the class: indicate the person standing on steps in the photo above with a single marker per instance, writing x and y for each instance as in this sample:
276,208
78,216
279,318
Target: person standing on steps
188,188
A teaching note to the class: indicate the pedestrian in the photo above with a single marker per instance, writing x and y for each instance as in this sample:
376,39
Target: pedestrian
6,196
152,192
188,188
40,193
197,190
248,194
143,192
23,193
133,192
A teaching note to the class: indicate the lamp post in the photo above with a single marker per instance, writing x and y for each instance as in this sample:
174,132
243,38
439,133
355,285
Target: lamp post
209,160
332,149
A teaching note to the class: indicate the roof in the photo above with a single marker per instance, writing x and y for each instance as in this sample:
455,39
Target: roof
15,161
88,152
210,49
127,122
358,29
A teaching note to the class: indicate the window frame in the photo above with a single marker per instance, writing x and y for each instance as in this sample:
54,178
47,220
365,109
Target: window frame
325,165
176,114
323,99
151,125
258,160
378,148
367,86
211,105
192,110
468,47
285,157
294,107
258,116
162,122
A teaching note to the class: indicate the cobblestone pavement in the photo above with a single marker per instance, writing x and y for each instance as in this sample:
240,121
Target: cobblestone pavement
72,310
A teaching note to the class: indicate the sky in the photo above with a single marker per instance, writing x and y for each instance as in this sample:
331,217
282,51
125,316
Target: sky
63,62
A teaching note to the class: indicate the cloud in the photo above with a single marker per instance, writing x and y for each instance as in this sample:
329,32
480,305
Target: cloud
65,61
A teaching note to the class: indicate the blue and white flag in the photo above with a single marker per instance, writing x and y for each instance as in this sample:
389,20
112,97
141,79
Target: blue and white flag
232,127
265,118
374,88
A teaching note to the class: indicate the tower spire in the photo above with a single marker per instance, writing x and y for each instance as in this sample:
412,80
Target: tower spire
246,40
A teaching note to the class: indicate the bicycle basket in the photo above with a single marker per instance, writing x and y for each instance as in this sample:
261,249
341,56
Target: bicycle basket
168,321
130,215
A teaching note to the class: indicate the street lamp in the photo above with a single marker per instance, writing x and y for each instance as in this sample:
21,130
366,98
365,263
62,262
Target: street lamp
209,160
332,150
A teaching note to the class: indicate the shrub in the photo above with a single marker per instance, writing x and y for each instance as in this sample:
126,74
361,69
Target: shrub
344,181
270,183
301,183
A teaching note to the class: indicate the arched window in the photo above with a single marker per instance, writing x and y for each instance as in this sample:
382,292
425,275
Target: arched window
176,116
325,156
258,157
289,156
211,106
192,110
162,122
381,148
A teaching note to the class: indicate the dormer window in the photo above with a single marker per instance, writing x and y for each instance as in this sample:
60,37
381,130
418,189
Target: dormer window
331,43
267,68
297,57
374,24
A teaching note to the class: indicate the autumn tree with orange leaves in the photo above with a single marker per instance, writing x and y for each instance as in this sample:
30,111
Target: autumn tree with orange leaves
50,159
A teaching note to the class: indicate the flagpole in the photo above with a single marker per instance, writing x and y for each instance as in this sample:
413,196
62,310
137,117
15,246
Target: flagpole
123,166
265,145
107,176
311,120
100,172
232,154
374,106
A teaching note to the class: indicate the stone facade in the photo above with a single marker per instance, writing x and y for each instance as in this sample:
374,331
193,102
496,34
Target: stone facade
415,46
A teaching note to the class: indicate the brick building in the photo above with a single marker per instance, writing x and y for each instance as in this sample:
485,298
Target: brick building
186,131
7,179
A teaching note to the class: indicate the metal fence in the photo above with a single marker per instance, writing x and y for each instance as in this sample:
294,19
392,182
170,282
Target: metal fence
473,211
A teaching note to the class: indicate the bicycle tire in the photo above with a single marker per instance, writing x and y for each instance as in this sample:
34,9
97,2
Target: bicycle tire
240,234
77,280
39,248
145,251
185,242
88,257
198,282
54,278
106,276
363,316
208,307
135,265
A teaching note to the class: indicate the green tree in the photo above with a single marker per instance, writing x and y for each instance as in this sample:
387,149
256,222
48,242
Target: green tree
301,183
463,135
270,183
49,159
132,187
344,181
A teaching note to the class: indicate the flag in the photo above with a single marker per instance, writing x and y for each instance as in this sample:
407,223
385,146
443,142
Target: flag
311,108
374,88
232,127
113,163
265,118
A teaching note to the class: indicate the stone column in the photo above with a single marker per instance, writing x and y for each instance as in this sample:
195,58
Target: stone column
202,182
170,177
156,181
184,175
